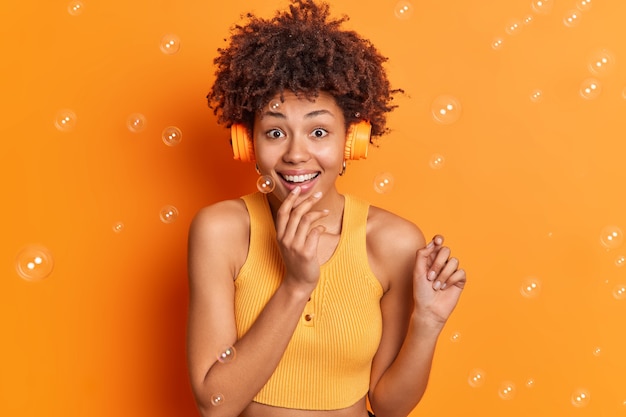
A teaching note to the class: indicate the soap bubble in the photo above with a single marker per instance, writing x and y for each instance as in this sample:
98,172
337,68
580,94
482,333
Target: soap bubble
529,19
227,354
513,27
170,44
620,261
168,214
601,62
542,6
65,120
590,89
531,287
572,18
171,136
619,292
265,184
275,104
217,399
597,351
437,161
383,182
118,227
536,96
455,337
611,237
530,383
136,122
34,263
497,43
75,8
403,10
507,390
583,5
446,109
476,378
580,397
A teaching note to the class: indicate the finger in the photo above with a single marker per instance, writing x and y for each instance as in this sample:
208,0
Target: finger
282,216
438,240
304,227
298,212
312,239
441,257
446,272
423,260
457,279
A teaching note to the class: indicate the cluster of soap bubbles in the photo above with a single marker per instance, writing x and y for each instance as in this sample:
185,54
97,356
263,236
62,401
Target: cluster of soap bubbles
225,356
515,25
541,7
572,17
580,397
601,62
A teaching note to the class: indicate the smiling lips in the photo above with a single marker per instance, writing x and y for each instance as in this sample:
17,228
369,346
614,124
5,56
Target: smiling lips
300,178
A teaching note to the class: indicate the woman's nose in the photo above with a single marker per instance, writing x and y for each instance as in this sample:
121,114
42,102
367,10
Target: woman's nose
296,150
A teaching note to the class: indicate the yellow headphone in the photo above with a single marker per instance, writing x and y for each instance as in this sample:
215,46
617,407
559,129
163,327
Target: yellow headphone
357,141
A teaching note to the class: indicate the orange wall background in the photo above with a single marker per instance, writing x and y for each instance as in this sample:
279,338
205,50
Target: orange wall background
523,172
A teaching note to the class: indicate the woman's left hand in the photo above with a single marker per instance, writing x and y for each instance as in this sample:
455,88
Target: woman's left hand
437,281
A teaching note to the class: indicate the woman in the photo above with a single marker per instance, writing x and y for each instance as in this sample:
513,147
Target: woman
305,302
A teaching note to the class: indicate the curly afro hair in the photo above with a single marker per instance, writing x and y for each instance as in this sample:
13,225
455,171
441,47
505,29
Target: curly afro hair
304,51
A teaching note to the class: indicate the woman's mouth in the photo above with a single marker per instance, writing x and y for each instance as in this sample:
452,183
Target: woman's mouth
298,179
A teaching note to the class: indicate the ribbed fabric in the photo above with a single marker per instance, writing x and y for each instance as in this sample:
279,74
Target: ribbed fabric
327,363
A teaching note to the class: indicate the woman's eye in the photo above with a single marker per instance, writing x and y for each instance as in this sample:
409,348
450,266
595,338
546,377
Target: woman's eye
320,133
275,134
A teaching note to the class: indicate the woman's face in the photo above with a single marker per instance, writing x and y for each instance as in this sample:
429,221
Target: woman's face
300,142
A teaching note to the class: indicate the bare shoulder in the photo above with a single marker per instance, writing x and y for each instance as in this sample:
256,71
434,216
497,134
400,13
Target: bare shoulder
221,215
392,244
392,232
219,233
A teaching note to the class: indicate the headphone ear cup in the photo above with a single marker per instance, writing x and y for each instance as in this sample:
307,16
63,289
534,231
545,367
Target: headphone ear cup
243,149
358,140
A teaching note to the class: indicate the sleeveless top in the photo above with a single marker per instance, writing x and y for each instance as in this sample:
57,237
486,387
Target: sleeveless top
327,363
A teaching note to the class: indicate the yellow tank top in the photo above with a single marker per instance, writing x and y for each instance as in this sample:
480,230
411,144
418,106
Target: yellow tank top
327,363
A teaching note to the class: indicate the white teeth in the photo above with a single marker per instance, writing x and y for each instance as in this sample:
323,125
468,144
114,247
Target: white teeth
299,178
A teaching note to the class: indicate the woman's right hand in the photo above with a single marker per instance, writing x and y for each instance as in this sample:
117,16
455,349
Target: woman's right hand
298,239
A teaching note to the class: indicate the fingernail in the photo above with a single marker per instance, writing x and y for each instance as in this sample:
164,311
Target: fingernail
430,245
437,285
431,275
443,287
295,190
317,194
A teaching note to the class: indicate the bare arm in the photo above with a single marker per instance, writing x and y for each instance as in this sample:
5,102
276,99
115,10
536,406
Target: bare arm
218,242
413,316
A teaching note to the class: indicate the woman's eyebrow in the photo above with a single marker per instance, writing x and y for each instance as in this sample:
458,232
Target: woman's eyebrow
309,115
